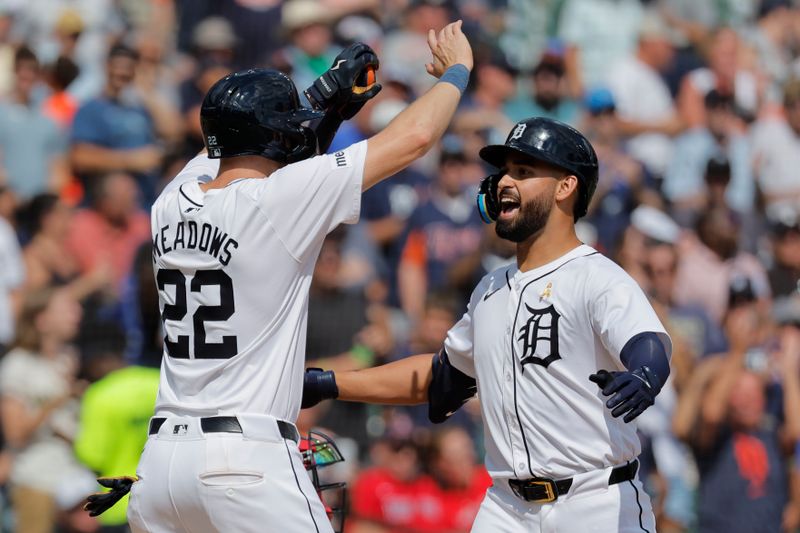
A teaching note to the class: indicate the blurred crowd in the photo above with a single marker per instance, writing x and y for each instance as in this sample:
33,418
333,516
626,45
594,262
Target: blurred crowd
693,108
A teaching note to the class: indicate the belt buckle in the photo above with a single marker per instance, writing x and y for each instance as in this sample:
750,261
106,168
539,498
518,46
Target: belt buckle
549,488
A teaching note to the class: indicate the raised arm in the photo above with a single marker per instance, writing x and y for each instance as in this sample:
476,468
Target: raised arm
414,131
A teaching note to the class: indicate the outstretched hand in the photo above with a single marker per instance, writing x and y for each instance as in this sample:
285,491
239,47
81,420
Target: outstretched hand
348,84
450,47
633,391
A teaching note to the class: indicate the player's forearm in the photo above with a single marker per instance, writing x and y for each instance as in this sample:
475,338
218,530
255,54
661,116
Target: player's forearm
87,157
715,402
403,382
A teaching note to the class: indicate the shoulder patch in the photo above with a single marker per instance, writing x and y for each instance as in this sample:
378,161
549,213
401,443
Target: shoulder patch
341,159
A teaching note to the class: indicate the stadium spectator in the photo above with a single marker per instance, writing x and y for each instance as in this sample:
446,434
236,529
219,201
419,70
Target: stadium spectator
771,40
740,430
723,74
141,318
48,260
108,234
405,48
31,145
117,130
620,178
462,481
548,97
649,122
784,273
444,229
311,51
710,261
776,151
395,496
599,33
37,408
722,136
60,106
694,326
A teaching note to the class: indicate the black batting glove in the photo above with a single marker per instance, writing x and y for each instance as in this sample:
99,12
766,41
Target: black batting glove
318,385
346,86
101,502
634,391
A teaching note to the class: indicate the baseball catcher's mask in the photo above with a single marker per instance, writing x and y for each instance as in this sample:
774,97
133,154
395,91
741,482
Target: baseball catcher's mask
318,451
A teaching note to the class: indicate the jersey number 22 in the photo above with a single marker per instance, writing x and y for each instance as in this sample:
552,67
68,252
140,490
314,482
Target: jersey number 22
205,313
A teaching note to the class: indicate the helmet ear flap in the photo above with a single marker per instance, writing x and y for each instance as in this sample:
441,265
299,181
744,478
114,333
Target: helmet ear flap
488,207
305,147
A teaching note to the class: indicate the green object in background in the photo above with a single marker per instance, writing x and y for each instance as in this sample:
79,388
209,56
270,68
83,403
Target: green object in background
115,412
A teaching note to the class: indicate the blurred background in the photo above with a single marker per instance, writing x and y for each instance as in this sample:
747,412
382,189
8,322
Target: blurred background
693,108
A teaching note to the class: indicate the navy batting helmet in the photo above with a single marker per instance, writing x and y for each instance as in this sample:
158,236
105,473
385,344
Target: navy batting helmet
257,112
550,141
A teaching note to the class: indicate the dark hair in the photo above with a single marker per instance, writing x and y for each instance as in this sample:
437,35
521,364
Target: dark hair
740,292
443,301
24,55
34,213
120,50
63,72
718,170
716,100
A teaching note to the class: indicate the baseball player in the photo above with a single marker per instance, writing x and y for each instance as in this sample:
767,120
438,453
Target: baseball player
235,242
563,349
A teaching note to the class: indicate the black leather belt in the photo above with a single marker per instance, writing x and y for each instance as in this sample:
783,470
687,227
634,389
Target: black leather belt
543,490
225,424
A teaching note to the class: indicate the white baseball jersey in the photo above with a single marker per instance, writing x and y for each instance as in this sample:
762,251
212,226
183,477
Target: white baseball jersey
531,339
233,268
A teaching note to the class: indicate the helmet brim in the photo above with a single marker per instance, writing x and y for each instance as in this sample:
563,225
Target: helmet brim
496,154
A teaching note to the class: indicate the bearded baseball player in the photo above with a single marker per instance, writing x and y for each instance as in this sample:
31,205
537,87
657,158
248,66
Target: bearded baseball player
563,349
235,237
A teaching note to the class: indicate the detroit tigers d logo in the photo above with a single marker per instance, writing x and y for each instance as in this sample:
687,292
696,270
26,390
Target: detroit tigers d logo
539,337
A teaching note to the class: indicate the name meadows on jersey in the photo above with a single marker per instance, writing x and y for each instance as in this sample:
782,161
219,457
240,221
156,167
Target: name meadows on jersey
209,239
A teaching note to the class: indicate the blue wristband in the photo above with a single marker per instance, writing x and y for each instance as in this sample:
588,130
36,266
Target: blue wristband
457,75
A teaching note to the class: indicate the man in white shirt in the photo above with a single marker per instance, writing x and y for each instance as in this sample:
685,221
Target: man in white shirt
644,104
537,340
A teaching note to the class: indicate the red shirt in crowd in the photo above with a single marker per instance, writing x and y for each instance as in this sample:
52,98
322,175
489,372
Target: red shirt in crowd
419,505
92,240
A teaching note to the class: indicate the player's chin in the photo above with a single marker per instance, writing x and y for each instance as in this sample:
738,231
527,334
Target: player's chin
508,228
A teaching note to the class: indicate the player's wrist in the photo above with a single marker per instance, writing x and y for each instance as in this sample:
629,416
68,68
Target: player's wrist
318,385
456,75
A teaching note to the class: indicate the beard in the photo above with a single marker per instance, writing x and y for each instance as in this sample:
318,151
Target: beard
529,220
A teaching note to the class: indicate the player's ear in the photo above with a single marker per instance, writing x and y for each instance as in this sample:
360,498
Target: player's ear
567,186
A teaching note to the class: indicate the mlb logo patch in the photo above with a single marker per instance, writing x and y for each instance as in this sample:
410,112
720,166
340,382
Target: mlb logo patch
180,429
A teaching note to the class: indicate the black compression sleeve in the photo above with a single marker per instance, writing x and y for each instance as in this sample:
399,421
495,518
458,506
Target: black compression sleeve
646,349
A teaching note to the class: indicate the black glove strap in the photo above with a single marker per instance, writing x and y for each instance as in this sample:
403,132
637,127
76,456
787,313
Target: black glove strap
321,91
